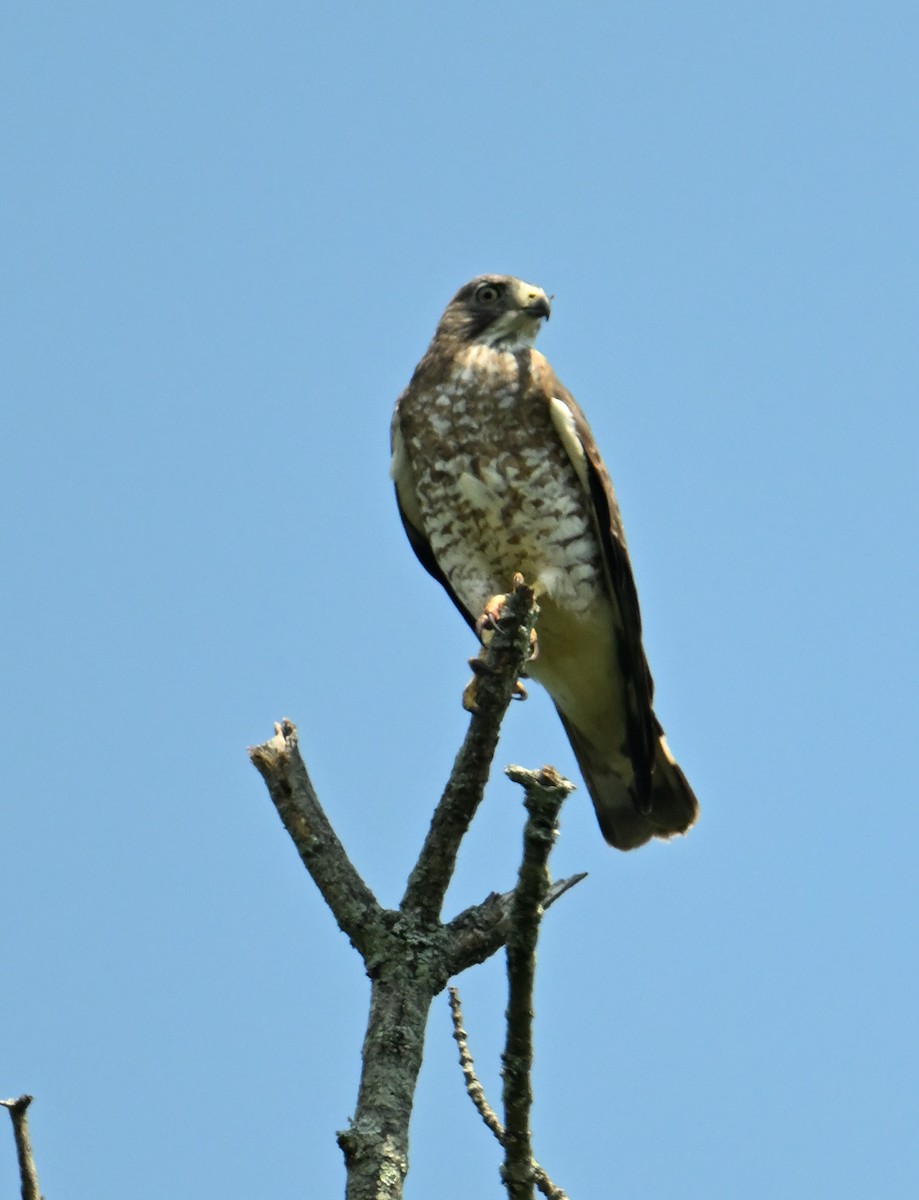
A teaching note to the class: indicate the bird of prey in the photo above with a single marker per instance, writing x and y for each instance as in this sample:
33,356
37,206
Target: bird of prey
496,472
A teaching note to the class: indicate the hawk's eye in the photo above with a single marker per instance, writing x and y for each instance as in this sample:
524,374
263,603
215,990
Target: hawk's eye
487,293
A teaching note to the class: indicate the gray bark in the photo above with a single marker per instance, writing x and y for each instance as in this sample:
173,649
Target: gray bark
409,954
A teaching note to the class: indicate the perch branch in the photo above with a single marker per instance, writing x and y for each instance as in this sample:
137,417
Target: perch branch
408,954
504,660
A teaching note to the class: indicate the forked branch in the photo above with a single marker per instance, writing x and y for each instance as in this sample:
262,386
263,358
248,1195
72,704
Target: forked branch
408,953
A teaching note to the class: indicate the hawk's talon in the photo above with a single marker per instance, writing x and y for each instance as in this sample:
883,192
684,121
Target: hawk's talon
492,613
479,669
488,620
534,647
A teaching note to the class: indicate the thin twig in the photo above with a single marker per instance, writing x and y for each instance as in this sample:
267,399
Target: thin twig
477,933
476,1094
545,793
27,1173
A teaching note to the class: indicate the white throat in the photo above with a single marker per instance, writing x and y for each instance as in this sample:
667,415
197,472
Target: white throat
511,332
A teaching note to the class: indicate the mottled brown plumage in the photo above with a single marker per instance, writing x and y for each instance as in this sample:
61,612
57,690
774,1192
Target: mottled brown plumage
496,471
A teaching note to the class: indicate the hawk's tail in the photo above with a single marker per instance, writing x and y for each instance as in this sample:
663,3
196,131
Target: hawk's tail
673,807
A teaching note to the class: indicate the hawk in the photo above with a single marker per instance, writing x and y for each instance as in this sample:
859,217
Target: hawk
496,472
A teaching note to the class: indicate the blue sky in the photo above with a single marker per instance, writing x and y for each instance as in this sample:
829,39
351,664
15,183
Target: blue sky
229,232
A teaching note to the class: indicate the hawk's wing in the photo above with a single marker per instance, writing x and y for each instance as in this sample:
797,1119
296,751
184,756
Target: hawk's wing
665,803
579,444
410,511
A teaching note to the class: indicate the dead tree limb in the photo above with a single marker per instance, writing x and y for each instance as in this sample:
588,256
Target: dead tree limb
479,932
409,954
497,675
545,793
27,1173
353,905
476,1094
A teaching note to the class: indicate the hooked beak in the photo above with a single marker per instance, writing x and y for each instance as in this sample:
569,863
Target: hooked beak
531,300
539,307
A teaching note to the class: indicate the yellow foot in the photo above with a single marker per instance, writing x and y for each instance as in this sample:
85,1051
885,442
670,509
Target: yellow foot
485,627
492,613
479,668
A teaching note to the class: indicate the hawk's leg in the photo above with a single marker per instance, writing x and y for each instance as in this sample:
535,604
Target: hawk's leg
485,627
491,614
480,667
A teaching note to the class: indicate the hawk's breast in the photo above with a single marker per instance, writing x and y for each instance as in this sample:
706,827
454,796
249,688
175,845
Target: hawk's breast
496,489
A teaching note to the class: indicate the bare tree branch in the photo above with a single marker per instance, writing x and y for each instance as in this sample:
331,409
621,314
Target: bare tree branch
545,793
408,954
375,1144
353,905
497,674
476,1094
477,933
27,1174
474,1089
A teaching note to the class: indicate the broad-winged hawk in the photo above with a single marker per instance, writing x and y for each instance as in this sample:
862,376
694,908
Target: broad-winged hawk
497,472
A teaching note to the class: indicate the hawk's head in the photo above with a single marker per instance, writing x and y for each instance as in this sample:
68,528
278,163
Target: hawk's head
496,310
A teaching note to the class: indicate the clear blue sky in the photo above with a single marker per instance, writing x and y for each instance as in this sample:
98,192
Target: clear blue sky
229,230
